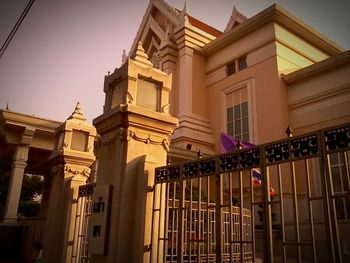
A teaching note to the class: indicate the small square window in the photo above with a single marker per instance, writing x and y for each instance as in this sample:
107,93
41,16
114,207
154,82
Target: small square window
231,69
242,63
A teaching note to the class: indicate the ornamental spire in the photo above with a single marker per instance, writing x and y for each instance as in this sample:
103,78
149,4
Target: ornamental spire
77,114
141,56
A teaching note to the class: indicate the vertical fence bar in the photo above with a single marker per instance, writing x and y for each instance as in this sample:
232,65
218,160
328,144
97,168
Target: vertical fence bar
283,235
330,213
267,221
296,214
231,223
241,241
166,223
312,230
252,201
218,220
199,238
180,228
208,218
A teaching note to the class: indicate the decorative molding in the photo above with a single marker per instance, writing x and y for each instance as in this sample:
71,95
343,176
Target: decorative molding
165,108
129,97
165,143
75,171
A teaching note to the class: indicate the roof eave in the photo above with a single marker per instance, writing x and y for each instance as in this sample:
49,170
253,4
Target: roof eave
276,14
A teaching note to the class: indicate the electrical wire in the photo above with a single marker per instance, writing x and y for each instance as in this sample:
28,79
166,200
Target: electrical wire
15,28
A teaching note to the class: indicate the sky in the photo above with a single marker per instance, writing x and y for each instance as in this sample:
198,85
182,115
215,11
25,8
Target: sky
64,48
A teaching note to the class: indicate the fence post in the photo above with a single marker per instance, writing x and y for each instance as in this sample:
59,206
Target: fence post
218,219
266,209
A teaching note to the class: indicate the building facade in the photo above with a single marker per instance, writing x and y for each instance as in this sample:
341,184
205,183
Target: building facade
252,81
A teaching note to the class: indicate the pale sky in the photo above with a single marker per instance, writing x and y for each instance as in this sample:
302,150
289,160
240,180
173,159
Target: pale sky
64,48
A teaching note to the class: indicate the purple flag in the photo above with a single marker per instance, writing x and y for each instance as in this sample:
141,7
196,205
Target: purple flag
230,144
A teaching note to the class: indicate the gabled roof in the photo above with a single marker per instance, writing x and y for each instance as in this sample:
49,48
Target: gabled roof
275,14
172,14
202,26
165,8
236,19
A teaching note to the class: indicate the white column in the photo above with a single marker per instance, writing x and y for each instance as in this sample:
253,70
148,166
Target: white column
19,163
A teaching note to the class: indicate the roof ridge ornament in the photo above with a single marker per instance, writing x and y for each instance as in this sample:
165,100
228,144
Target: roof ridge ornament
184,15
77,114
141,56
236,18
124,56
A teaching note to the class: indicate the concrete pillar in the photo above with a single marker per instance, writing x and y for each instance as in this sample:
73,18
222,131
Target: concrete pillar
134,140
19,163
71,161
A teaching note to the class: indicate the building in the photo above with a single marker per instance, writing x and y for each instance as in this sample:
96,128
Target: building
252,81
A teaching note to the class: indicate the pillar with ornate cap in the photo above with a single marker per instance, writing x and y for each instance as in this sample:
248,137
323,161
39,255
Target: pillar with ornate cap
71,160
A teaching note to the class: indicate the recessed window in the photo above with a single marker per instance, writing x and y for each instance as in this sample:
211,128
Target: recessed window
237,115
242,63
231,68
236,65
79,140
148,94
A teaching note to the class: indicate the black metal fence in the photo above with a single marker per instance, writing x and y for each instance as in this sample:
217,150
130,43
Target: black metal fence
212,210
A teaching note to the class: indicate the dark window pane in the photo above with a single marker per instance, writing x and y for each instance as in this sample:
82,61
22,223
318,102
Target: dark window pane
237,114
246,137
229,114
242,63
237,127
339,205
245,109
230,129
245,124
231,69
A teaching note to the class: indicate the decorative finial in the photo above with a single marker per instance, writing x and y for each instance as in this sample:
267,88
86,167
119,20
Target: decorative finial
7,105
141,56
289,132
108,72
184,10
124,56
77,114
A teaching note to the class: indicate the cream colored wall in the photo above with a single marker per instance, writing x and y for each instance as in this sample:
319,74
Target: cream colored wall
267,98
293,52
245,45
320,101
199,91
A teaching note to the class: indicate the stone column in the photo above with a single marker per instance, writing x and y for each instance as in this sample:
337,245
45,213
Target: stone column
134,140
19,163
71,161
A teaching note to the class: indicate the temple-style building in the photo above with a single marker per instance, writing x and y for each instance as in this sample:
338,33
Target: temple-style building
108,194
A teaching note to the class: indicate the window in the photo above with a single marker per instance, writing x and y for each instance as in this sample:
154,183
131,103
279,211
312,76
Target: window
237,117
340,179
231,68
242,63
148,94
236,65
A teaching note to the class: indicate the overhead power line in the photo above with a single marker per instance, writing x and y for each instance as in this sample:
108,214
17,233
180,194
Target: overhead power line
15,28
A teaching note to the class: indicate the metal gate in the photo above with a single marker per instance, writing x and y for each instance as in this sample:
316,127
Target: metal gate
211,210
80,243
